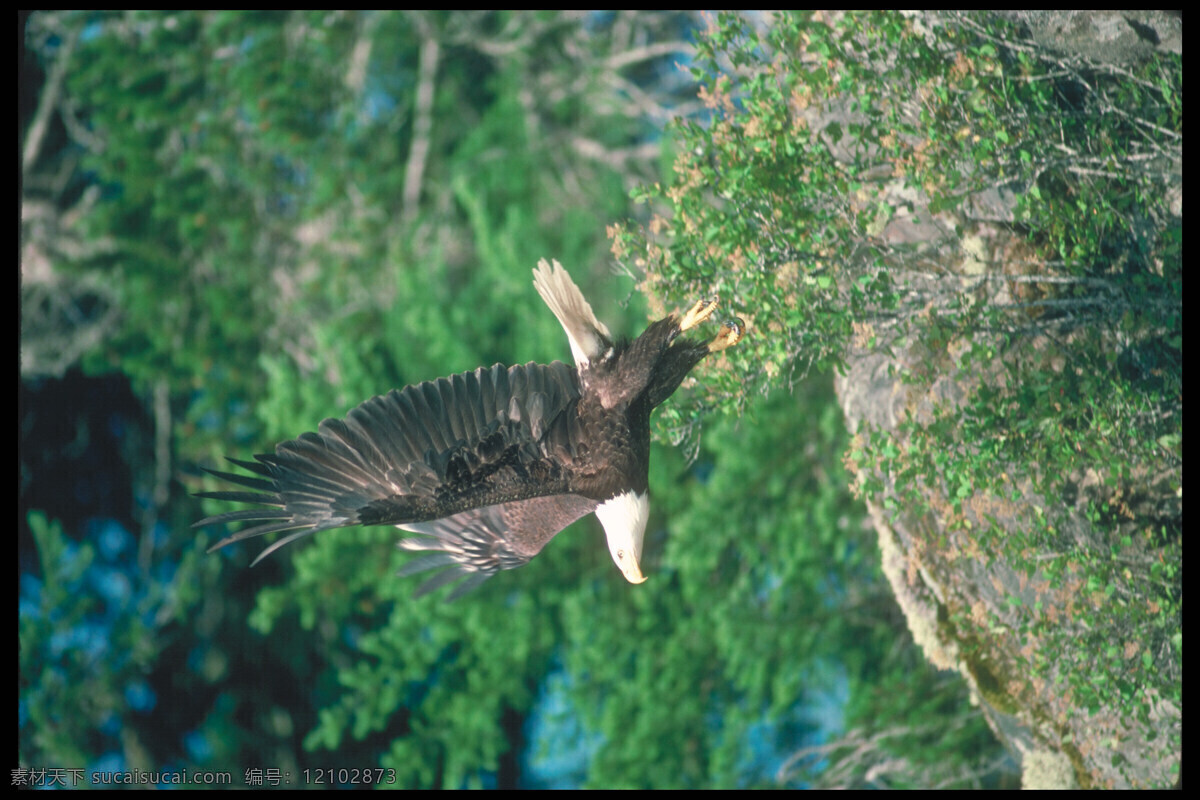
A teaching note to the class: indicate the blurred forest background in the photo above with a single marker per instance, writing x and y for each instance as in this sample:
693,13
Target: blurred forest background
235,225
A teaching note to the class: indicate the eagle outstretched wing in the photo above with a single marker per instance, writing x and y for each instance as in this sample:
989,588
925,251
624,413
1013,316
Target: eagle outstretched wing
479,462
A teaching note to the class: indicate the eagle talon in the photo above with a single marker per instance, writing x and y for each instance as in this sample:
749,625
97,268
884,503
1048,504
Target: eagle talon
730,334
701,311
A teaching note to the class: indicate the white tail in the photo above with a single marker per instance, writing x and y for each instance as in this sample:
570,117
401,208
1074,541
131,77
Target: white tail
589,337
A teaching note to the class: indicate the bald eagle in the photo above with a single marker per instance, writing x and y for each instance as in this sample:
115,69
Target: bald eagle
487,466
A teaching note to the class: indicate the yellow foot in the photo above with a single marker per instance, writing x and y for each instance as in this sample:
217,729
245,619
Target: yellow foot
697,314
730,334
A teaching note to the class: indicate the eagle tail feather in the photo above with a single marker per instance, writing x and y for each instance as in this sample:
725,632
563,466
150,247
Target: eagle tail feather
589,337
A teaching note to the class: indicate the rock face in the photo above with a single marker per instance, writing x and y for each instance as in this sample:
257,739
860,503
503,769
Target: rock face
957,600
968,606
1110,37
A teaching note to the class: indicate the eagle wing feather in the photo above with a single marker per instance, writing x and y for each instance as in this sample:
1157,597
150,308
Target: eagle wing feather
478,463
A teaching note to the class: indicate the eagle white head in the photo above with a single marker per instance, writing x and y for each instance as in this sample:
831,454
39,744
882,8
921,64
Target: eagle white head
624,520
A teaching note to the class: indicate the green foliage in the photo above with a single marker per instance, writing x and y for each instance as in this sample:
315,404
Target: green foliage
90,638
253,195
55,669
1064,342
288,226
778,203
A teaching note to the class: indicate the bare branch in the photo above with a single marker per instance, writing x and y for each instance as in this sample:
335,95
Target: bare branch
422,123
621,60
49,100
